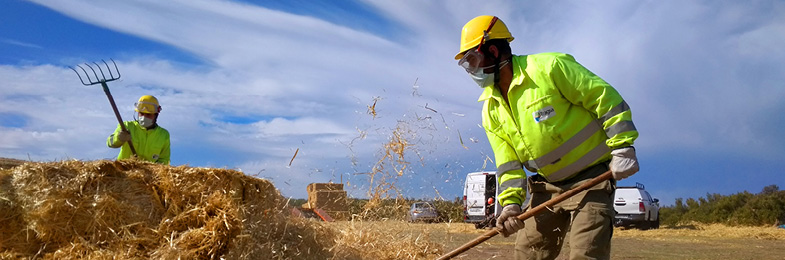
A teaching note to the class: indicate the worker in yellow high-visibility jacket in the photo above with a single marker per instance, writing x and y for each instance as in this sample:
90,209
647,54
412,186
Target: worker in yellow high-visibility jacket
548,114
150,140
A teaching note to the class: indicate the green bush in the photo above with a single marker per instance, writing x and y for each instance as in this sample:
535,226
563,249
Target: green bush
746,209
451,211
671,216
761,210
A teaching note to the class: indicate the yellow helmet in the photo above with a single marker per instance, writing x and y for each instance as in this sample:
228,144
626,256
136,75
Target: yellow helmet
481,29
147,104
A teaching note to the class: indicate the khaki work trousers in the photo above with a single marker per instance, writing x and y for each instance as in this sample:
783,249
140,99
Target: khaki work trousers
584,219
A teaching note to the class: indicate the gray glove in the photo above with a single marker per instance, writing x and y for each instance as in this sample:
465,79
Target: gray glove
507,221
624,163
124,136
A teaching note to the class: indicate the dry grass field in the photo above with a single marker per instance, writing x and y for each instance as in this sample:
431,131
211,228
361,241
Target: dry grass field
684,242
139,210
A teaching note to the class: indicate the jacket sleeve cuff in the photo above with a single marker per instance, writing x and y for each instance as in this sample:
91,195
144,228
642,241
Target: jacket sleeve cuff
113,142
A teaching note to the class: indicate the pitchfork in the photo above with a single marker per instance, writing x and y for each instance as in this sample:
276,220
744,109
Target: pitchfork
102,80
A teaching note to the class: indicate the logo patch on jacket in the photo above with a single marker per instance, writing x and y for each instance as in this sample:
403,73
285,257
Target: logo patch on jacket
543,114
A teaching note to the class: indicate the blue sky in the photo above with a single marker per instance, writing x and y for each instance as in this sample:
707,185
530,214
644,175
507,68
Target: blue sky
244,85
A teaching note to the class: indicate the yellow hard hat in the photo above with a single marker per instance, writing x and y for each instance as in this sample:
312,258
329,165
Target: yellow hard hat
485,26
147,104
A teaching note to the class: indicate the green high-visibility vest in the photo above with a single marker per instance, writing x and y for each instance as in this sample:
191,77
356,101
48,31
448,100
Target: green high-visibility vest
150,144
561,119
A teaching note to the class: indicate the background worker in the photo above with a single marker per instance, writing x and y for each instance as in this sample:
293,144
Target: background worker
150,140
552,116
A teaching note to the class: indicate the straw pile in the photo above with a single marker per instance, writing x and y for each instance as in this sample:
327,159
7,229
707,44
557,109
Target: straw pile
139,210
389,239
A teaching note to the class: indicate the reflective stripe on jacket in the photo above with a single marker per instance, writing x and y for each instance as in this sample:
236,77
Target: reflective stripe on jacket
151,145
562,119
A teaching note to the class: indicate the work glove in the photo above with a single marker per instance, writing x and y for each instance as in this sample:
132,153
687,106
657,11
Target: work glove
124,136
507,221
624,163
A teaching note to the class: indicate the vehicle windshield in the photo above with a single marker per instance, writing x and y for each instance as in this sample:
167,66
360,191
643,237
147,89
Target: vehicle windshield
423,205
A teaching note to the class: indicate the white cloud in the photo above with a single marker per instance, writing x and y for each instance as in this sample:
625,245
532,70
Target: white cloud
300,126
691,72
19,43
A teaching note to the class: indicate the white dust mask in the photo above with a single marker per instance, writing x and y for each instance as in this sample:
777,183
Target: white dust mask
485,79
482,79
145,121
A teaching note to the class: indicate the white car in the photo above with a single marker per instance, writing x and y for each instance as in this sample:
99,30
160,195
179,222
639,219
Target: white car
635,207
423,212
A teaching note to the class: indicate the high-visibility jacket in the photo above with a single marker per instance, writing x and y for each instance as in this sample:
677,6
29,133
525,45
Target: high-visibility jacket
150,144
562,118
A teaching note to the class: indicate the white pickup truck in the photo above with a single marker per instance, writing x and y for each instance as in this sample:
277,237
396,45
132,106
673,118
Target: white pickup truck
635,207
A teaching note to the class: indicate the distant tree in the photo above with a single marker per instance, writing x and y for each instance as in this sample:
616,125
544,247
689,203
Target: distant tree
725,206
771,189
672,216
743,208
700,210
713,197
451,211
679,206
761,210
692,204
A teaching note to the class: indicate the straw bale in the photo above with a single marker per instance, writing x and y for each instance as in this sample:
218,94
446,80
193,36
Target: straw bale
138,210
328,200
126,208
15,234
93,201
324,186
217,222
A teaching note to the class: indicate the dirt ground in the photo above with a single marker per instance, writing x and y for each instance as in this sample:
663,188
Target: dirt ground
701,242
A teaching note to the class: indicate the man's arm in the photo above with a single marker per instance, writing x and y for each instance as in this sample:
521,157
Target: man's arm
114,139
512,184
509,171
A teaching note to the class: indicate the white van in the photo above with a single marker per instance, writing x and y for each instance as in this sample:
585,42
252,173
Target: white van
479,199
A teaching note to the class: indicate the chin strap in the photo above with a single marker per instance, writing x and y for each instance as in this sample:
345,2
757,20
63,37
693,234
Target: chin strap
496,69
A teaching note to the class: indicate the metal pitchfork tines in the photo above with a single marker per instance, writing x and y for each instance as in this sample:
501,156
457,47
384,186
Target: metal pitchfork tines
102,79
